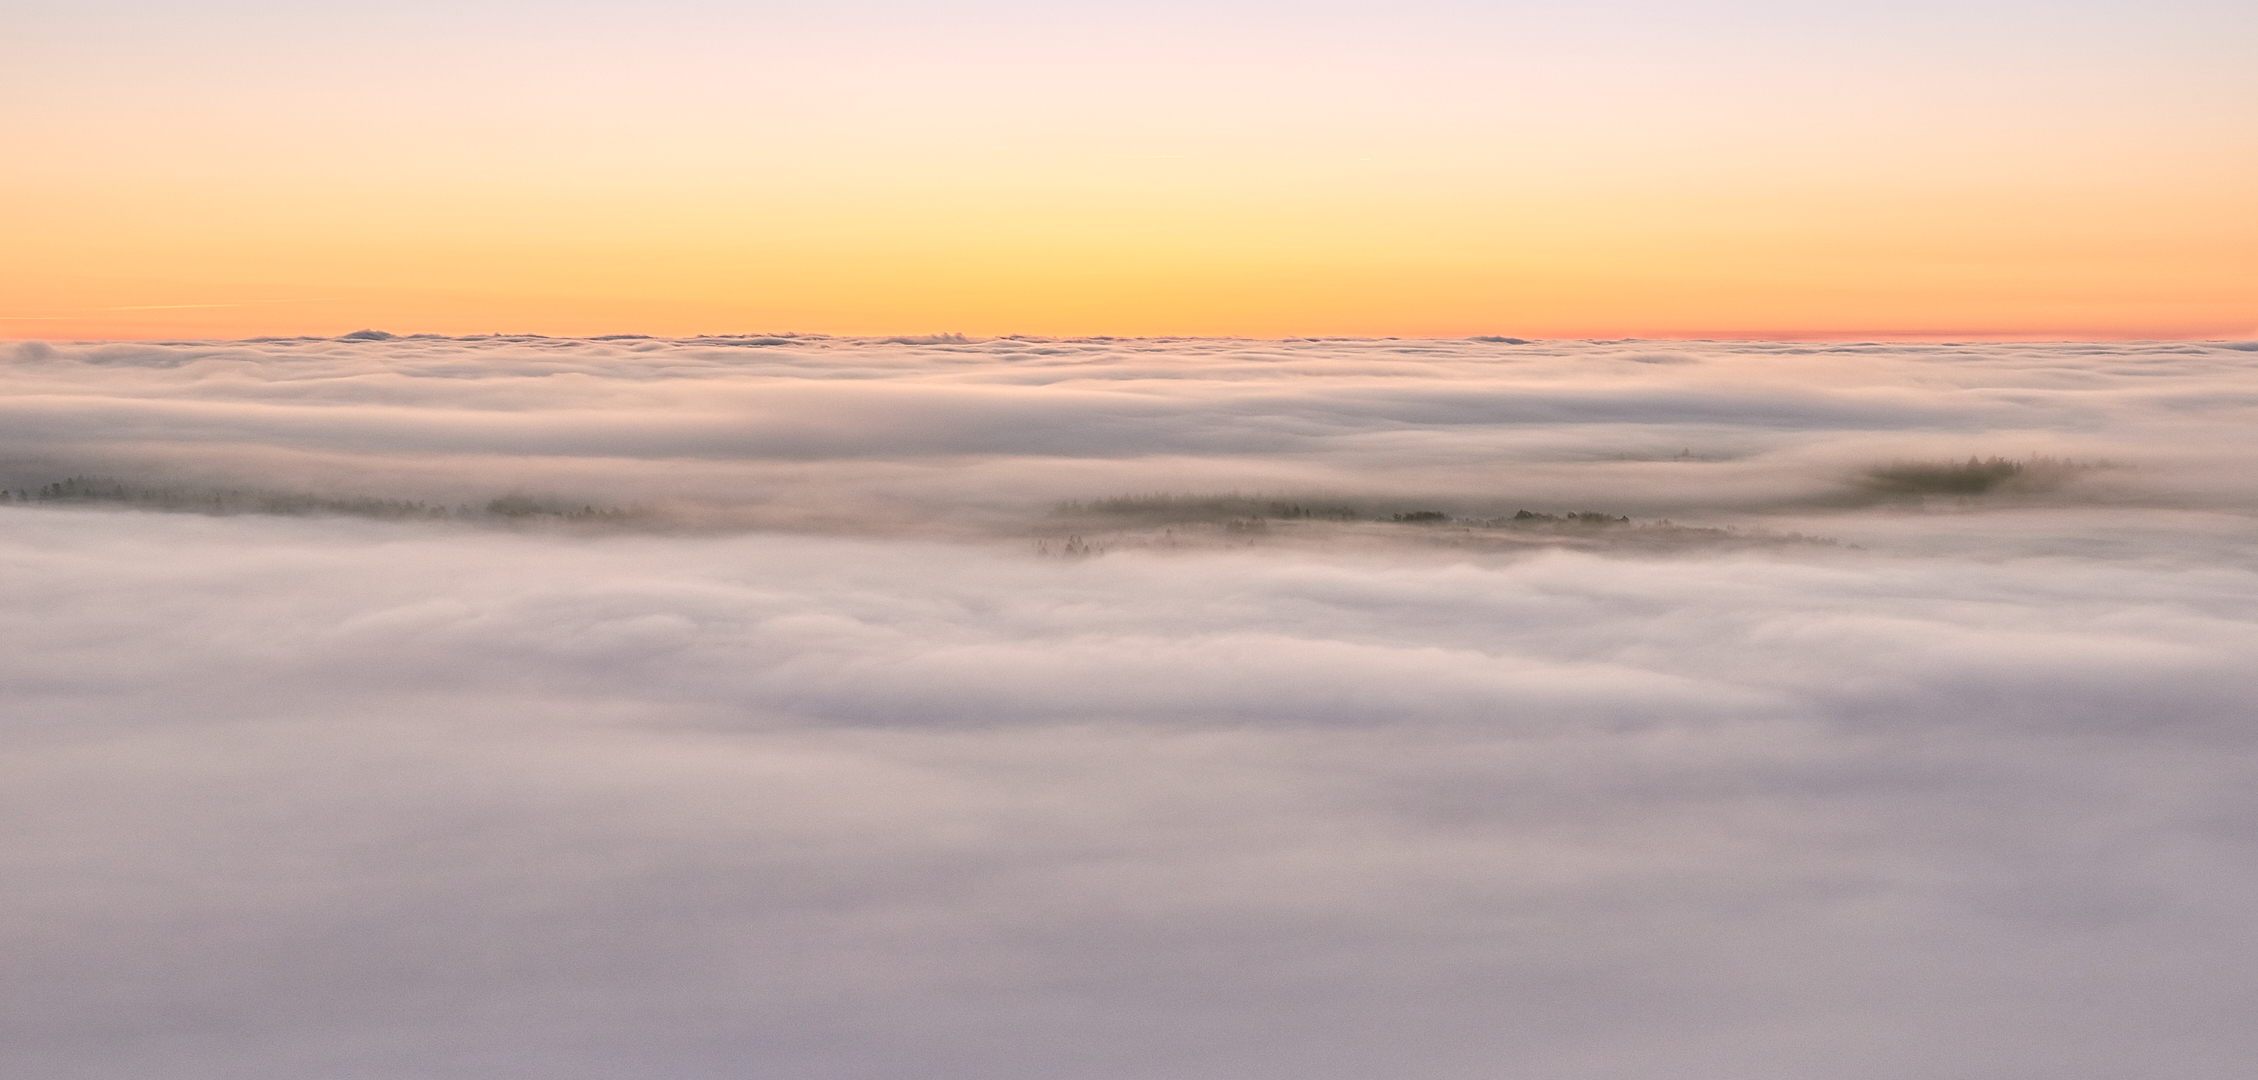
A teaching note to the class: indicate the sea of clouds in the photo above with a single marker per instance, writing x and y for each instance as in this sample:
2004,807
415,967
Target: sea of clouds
337,745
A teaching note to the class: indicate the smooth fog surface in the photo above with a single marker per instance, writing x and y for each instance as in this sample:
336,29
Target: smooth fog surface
801,751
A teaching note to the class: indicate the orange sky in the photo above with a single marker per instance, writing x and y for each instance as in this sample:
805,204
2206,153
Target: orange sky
1363,174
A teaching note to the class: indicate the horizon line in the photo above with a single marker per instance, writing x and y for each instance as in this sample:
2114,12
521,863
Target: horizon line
1849,336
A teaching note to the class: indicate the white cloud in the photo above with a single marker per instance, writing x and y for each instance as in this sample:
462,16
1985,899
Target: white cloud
337,797
1028,422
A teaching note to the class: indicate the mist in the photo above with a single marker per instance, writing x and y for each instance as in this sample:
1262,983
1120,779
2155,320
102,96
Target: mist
824,707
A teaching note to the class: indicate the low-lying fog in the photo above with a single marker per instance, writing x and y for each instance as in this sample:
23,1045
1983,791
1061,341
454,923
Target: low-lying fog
427,708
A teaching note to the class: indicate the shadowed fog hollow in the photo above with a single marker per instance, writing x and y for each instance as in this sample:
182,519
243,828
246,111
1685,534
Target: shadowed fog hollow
1128,709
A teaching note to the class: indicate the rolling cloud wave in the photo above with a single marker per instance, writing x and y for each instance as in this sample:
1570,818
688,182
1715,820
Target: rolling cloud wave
842,778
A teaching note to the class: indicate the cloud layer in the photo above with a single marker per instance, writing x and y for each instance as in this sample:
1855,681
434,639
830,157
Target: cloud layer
886,794
886,429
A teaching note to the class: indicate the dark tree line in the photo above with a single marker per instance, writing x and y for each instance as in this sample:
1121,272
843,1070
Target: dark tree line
82,490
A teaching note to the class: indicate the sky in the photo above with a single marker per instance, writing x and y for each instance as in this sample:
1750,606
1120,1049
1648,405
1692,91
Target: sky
1969,171
812,749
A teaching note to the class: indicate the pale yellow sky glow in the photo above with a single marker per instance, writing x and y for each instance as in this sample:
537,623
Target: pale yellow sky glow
1440,171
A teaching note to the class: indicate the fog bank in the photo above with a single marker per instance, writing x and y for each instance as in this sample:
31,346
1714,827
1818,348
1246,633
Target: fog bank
829,765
